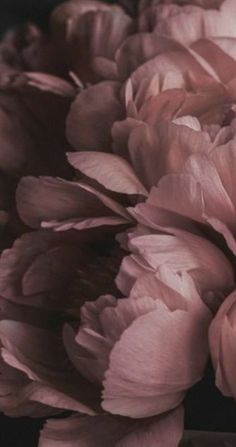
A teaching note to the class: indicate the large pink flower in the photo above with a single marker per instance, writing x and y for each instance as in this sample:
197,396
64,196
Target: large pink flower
146,350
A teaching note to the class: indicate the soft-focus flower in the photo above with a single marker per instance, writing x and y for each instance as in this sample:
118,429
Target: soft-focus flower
87,32
27,49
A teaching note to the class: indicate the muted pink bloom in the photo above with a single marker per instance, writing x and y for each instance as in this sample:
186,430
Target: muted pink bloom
146,350
44,280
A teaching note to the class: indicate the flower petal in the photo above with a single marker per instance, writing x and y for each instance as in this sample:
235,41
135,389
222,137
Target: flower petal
110,170
92,115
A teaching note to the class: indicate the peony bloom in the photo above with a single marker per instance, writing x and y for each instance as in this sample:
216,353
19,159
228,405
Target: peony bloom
41,373
222,346
130,345
157,75
44,280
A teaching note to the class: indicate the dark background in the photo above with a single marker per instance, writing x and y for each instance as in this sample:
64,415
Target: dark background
206,409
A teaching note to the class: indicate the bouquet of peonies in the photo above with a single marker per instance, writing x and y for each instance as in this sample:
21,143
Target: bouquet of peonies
118,219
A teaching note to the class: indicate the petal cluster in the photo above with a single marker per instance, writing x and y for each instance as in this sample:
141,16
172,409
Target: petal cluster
118,218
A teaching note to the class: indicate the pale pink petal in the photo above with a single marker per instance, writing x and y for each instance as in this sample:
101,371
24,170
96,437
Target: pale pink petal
140,48
110,170
181,194
46,83
141,379
129,271
163,150
216,199
222,63
186,252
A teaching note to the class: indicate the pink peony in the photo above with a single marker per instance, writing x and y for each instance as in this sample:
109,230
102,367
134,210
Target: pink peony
131,345
145,112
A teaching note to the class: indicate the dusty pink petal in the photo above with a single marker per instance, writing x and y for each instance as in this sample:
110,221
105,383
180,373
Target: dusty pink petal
224,158
129,271
24,349
64,200
185,251
178,60
121,216
16,395
121,131
222,346
155,385
94,344
158,219
84,30
39,267
46,83
109,431
217,202
98,34
164,106
162,286
159,151
188,28
179,193
110,170
92,115
209,50
140,48
225,381
109,326
14,262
